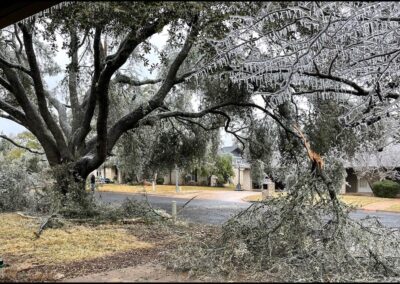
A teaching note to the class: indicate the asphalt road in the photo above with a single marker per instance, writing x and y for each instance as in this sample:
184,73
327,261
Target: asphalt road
216,211
204,211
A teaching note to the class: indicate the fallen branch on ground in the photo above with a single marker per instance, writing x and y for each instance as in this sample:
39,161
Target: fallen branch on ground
46,224
186,204
26,216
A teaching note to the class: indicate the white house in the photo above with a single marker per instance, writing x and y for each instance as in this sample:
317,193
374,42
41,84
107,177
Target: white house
376,164
109,170
241,167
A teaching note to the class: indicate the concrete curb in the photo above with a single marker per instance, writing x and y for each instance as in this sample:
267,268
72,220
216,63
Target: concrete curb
379,210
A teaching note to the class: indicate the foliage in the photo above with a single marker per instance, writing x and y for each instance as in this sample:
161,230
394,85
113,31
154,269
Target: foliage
220,166
386,188
12,153
223,168
19,176
306,236
258,173
326,131
158,149
333,63
14,187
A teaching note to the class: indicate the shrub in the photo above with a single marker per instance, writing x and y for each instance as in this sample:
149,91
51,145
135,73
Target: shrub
145,182
14,191
192,182
203,183
160,180
386,188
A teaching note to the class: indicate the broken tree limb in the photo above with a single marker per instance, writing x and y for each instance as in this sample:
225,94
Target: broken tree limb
44,225
186,204
26,216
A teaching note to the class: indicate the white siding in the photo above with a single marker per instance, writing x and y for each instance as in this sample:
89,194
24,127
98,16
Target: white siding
363,186
245,178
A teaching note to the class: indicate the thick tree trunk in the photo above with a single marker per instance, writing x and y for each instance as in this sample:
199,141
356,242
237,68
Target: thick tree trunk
70,177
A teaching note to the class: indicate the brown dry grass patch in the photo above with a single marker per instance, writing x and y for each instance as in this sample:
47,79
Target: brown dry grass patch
160,189
258,196
68,244
394,208
361,201
355,200
77,250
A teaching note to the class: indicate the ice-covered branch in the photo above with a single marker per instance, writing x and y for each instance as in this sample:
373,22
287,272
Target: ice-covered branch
20,146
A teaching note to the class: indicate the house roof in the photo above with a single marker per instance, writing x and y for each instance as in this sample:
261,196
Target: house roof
234,150
12,12
389,157
236,153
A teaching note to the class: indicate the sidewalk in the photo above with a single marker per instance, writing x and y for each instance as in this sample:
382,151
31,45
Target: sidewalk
140,273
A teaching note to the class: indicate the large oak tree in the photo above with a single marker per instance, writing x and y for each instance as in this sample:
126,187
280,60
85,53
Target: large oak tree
103,41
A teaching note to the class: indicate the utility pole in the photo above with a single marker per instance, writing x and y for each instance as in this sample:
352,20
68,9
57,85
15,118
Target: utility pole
238,186
154,182
173,214
177,178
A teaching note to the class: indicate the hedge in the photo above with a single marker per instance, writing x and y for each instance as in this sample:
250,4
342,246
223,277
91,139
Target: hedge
386,188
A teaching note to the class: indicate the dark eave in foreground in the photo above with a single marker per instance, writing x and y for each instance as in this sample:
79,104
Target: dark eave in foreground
12,12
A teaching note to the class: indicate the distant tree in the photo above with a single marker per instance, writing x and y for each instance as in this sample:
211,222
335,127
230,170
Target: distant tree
23,148
219,166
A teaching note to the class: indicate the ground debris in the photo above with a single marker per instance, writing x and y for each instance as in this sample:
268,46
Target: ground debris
304,236
53,221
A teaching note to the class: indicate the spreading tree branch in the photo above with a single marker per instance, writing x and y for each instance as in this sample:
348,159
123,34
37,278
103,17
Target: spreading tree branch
130,120
20,146
40,94
15,66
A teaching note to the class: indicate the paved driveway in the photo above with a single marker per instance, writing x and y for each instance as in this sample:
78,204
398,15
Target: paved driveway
217,207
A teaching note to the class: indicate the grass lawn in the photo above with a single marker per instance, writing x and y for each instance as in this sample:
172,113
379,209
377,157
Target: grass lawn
76,250
358,201
258,196
70,243
394,208
164,189
361,201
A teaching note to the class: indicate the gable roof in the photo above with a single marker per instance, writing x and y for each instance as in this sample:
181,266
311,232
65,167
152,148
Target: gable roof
234,150
389,157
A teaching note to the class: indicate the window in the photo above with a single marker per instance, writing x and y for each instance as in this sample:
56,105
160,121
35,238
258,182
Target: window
363,182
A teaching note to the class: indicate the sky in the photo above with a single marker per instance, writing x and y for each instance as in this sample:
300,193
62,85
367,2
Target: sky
11,128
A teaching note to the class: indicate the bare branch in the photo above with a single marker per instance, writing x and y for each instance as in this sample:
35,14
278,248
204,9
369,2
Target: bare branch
342,91
15,66
14,112
352,84
119,78
6,85
20,146
9,117
228,120
62,114
332,62
89,103
40,93
73,69
189,121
